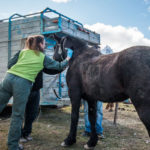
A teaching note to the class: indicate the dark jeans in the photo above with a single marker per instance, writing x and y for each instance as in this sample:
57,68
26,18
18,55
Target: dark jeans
32,109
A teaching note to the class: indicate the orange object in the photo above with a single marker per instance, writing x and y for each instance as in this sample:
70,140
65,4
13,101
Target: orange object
55,21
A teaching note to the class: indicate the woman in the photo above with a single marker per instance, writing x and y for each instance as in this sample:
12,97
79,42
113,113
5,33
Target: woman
19,79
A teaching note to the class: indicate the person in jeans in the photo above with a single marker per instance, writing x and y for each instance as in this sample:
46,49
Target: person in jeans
99,119
19,79
32,106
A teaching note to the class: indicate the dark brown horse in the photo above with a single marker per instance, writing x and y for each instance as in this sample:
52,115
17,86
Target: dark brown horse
109,78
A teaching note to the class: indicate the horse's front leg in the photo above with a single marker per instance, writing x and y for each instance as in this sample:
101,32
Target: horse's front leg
75,102
92,118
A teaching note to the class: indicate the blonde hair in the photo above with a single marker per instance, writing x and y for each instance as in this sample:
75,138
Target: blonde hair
33,43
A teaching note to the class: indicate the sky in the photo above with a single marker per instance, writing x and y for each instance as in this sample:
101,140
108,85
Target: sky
121,23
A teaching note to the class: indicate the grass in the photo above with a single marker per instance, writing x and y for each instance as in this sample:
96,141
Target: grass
52,127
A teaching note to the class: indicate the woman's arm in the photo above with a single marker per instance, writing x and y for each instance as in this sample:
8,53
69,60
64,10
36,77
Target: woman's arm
52,71
52,64
13,60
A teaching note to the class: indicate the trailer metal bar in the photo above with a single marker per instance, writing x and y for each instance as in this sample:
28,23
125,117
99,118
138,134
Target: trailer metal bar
9,33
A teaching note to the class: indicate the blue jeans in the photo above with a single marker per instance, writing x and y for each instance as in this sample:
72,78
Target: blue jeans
99,128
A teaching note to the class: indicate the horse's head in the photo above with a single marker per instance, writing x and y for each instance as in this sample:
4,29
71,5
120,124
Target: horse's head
60,52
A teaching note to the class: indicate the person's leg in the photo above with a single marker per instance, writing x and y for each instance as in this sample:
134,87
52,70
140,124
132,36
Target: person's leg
99,128
86,118
21,91
32,109
5,92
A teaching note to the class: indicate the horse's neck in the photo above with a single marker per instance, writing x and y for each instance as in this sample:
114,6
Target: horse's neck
85,52
79,51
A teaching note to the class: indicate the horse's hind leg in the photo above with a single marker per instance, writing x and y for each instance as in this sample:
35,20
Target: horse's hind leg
143,109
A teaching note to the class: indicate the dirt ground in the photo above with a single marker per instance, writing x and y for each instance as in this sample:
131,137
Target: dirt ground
52,127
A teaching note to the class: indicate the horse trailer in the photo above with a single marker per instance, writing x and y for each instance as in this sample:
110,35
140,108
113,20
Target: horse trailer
14,31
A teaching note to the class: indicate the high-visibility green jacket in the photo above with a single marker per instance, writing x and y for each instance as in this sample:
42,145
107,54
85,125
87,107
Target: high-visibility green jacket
29,64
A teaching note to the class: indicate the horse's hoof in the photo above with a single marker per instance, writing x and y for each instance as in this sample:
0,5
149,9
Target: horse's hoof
63,144
87,147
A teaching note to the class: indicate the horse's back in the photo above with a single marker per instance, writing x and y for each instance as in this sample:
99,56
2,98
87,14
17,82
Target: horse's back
112,76
134,69
134,62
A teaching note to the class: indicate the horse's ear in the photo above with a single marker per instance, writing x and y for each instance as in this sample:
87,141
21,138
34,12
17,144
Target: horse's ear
63,41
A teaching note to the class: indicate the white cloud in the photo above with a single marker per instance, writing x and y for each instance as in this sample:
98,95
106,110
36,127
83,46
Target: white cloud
149,28
61,1
119,37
